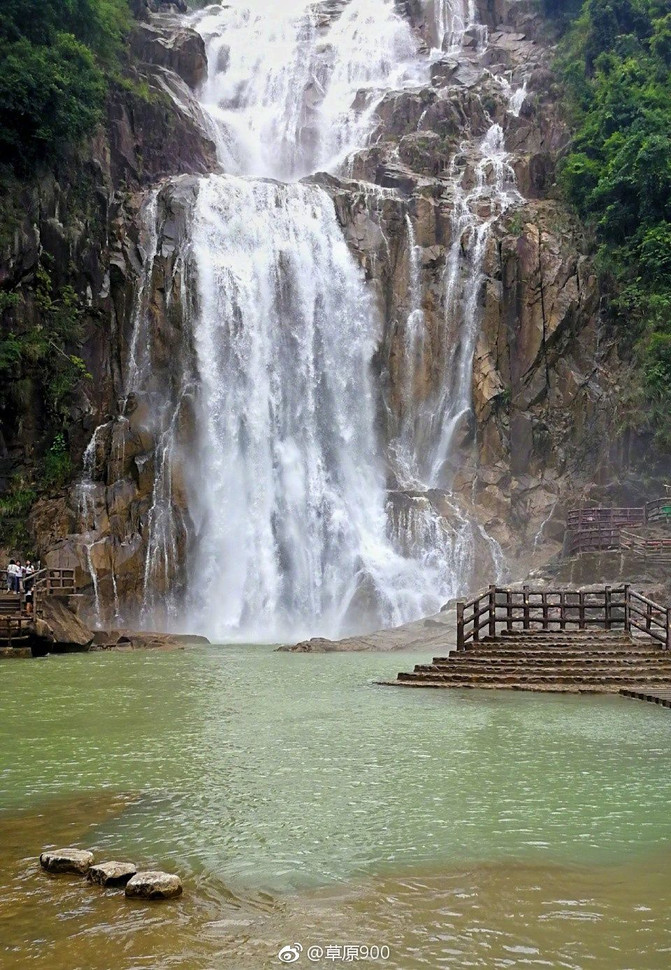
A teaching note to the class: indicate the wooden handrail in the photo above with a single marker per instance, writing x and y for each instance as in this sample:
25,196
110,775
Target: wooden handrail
597,529
659,510
609,609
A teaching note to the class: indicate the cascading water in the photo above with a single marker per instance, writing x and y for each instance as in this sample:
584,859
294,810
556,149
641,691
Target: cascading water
289,508
493,191
284,76
289,531
291,490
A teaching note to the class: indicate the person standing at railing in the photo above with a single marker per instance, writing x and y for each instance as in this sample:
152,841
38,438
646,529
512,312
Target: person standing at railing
28,582
14,576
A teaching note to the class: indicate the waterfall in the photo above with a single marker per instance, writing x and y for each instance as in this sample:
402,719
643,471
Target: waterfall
452,19
284,79
291,535
291,489
475,210
282,526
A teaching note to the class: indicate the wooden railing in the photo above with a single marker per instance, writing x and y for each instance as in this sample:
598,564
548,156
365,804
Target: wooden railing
607,518
55,582
527,609
652,549
49,582
659,510
15,627
596,539
596,530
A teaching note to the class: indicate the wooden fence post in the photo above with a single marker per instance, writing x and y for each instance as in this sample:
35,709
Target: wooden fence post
668,628
525,599
581,610
492,611
562,610
476,620
460,626
509,611
609,607
627,610
546,612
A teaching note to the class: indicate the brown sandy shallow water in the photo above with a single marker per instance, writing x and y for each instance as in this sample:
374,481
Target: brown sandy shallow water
461,831
498,915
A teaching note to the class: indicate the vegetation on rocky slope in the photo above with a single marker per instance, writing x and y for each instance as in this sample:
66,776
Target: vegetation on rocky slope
615,60
55,58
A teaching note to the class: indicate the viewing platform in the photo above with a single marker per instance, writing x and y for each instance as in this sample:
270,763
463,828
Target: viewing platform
644,531
566,641
17,625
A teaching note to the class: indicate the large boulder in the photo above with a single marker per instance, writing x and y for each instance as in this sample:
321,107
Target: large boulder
67,860
111,873
154,885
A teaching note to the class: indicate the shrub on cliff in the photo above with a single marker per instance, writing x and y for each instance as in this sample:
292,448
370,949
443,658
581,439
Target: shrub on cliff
616,62
55,56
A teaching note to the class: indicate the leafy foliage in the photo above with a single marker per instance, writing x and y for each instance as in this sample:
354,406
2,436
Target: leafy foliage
48,344
15,506
616,61
54,58
46,347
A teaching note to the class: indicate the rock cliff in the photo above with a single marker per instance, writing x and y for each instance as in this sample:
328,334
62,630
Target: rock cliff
546,371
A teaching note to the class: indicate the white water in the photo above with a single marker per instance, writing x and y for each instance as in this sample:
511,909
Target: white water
290,533
289,506
291,490
426,451
475,210
284,77
452,19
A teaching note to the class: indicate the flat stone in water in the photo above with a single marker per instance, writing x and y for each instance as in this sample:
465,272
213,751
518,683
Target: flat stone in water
154,885
67,860
111,873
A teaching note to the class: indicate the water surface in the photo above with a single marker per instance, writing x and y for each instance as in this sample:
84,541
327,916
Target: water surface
303,803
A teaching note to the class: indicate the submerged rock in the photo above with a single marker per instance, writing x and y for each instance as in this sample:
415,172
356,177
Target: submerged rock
154,885
67,860
111,873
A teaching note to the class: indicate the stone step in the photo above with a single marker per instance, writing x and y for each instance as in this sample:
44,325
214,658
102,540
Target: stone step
537,631
550,659
559,653
505,670
540,686
624,678
554,637
590,663
554,643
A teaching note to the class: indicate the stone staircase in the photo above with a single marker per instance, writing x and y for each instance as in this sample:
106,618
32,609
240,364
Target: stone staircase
534,660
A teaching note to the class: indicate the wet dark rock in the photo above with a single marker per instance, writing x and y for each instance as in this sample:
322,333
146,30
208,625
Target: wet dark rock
111,873
180,49
67,860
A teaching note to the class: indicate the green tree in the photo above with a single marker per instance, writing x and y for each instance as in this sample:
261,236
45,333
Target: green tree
616,60
55,56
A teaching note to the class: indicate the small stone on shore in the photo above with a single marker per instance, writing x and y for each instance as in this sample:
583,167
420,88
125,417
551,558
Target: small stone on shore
111,873
154,885
67,860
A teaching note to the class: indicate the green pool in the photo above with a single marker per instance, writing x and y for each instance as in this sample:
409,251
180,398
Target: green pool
303,804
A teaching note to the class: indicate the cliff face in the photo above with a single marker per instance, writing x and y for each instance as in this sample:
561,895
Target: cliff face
83,223
545,372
